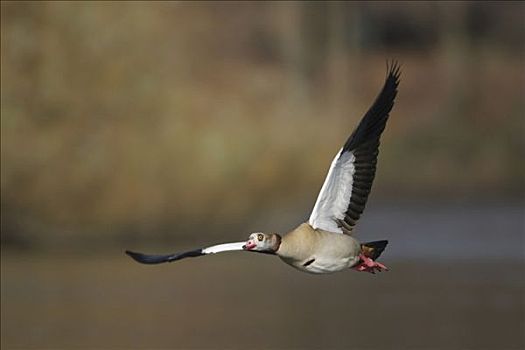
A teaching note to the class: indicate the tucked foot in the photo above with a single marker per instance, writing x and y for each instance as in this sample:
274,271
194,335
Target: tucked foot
368,265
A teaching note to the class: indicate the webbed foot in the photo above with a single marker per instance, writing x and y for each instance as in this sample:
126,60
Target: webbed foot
368,265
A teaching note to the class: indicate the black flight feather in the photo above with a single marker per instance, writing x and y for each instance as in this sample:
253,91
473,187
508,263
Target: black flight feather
364,145
374,121
159,259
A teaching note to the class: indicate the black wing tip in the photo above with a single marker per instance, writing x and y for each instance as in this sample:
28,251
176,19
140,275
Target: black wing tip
393,68
148,259
159,259
373,123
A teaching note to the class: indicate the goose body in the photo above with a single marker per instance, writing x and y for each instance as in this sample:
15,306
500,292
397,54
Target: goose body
318,251
326,243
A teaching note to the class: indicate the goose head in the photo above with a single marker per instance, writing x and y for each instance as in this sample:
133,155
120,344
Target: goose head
263,242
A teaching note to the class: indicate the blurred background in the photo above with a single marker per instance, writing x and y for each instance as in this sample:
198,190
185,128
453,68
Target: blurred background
165,126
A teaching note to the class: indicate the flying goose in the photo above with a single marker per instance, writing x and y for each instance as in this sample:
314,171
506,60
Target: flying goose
325,243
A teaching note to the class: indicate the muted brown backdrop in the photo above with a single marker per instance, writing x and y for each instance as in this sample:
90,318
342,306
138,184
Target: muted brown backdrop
168,125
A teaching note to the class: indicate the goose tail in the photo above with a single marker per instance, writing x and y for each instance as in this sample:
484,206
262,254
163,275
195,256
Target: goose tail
374,249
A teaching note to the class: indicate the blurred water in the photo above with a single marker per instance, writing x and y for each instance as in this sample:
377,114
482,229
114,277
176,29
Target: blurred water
456,282
448,230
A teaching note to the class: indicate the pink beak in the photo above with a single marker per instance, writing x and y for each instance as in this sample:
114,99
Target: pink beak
249,245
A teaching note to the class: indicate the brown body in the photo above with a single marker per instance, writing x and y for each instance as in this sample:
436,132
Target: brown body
318,251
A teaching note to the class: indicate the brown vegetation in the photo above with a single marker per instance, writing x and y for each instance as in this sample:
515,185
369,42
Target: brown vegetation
153,117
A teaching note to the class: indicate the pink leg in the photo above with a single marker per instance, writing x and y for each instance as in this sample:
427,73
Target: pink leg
369,265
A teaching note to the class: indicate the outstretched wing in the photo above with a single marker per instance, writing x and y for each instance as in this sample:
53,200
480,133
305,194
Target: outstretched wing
159,259
345,191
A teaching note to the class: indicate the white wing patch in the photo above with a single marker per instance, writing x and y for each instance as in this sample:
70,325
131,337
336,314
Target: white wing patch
334,198
223,247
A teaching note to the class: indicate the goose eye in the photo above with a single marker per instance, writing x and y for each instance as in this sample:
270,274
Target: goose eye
260,237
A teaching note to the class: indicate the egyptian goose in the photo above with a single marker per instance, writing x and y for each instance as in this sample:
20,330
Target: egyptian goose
325,243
